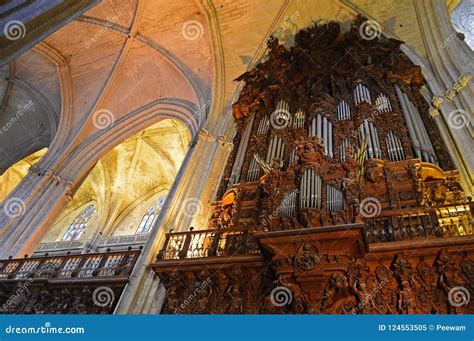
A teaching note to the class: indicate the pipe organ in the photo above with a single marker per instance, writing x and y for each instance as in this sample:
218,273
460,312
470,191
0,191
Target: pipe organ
362,94
316,220
276,149
416,129
254,170
321,127
334,199
394,147
382,103
288,204
293,157
368,131
263,126
343,111
343,148
298,120
310,190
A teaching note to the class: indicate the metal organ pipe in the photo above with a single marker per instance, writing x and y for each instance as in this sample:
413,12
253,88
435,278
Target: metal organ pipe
254,170
322,128
299,117
408,119
263,126
362,93
424,135
342,149
330,152
288,204
325,134
239,158
310,190
382,103
343,111
376,143
367,129
293,157
275,149
334,199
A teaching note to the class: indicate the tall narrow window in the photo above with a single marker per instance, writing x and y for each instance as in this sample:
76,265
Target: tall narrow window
79,224
150,216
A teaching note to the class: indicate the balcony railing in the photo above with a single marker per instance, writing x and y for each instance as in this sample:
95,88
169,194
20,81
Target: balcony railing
87,266
400,225
209,243
422,223
115,243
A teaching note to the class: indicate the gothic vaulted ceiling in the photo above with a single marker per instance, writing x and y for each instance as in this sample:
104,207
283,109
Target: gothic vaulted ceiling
175,57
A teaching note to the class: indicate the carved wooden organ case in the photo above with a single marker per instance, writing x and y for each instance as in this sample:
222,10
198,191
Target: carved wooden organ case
297,212
304,111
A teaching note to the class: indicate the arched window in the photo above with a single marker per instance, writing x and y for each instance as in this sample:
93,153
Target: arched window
79,224
150,216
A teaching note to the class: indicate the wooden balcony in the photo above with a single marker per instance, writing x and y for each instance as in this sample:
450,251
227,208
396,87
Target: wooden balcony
65,284
422,223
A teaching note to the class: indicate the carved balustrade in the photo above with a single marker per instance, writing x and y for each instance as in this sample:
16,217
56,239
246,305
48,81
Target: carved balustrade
421,223
113,264
209,243
72,284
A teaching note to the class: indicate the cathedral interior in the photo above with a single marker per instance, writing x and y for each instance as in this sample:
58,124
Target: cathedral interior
236,157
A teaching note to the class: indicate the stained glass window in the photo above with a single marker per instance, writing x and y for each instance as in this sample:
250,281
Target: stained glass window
79,224
150,216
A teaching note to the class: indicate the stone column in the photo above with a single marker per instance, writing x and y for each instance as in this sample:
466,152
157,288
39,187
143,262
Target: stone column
451,61
189,197
30,210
